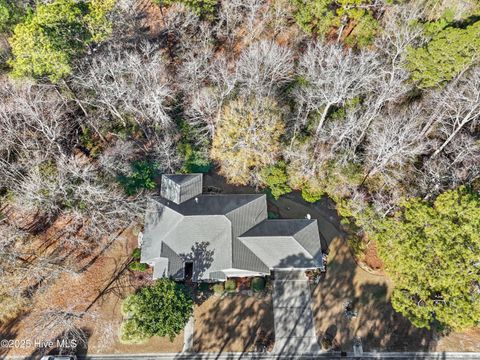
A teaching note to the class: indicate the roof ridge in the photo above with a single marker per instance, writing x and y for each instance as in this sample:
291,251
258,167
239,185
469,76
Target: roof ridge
176,222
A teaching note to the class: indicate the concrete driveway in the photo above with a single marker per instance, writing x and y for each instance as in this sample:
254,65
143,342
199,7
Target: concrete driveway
292,312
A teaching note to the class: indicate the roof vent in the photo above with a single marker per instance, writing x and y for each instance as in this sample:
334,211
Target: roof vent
308,216
196,200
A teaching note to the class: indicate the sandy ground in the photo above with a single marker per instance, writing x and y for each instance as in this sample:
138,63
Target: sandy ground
232,323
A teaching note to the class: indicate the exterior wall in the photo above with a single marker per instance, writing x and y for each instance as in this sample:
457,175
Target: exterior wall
181,189
170,190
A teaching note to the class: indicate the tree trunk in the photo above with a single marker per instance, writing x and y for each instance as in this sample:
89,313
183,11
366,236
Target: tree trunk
322,119
446,142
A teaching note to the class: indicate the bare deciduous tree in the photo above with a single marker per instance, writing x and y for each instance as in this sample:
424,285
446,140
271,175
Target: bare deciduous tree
243,20
395,141
458,164
331,76
456,107
264,67
32,117
127,85
62,323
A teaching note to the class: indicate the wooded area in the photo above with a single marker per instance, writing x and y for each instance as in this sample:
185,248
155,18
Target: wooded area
375,103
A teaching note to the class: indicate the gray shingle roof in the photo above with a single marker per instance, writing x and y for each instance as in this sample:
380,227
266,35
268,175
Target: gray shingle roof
201,231
285,243
222,232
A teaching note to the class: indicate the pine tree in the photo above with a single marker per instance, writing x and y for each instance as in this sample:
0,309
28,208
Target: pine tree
432,253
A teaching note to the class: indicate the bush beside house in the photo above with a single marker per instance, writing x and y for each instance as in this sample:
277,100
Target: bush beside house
162,310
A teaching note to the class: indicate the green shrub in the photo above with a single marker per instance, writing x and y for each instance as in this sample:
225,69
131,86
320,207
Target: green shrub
357,245
162,309
195,155
136,254
273,215
311,195
10,14
142,177
275,177
219,288
258,284
204,287
230,285
137,266
132,333
195,160
90,143
199,7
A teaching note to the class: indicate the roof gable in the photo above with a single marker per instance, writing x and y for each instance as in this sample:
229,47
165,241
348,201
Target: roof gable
285,243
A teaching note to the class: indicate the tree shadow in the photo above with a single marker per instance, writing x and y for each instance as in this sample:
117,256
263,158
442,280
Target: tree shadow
357,304
201,256
65,344
117,284
102,251
464,23
234,322
300,261
40,223
388,330
8,332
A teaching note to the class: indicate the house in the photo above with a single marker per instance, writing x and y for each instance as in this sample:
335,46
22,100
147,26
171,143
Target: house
201,237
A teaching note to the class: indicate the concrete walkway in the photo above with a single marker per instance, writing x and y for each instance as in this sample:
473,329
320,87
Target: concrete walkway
188,335
292,312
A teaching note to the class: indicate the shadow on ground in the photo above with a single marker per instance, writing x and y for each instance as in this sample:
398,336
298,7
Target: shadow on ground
371,318
233,323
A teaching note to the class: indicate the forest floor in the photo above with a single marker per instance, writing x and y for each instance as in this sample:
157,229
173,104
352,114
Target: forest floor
100,289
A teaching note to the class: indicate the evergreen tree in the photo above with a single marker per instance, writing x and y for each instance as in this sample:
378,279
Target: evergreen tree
199,7
322,16
432,253
159,310
46,42
275,177
450,51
